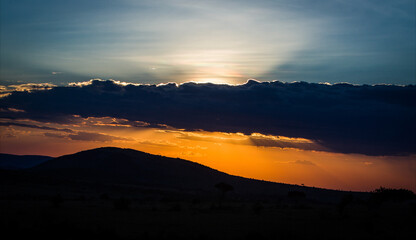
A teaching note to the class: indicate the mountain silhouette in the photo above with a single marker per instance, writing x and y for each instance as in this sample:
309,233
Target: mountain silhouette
127,166
14,162
143,196
112,165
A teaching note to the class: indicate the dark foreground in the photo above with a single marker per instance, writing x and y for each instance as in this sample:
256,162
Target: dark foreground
173,216
111,193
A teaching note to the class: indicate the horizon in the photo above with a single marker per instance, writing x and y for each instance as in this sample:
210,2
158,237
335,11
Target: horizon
121,148
315,93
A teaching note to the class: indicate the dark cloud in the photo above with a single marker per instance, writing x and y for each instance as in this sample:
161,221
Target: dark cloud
69,133
304,162
35,126
271,141
372,120
86,136
54,135
97,137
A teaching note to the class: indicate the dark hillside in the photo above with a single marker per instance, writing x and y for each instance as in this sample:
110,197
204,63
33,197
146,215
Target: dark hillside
10,161
126,166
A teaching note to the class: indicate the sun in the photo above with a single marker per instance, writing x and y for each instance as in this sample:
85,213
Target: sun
212,80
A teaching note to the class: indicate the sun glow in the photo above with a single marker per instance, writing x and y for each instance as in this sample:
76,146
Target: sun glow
267,157
211,66
212,80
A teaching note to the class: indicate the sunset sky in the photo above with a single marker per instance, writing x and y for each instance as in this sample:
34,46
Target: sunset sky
159,41
331,100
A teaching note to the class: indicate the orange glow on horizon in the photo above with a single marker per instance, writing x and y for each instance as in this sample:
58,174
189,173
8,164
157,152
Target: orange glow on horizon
266,157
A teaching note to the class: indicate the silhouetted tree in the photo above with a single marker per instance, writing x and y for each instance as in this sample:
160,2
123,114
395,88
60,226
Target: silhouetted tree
382,194
390,194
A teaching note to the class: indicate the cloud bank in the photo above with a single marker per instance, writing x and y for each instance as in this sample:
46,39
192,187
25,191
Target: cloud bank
68,133
371,120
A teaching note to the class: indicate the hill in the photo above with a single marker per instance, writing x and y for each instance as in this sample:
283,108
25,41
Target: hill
130,167
113,193
10,161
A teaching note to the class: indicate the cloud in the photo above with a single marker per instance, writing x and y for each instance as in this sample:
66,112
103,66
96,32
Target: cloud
159,143
372,120
35,126
108,122
54,135
68,133
11,110
284,142
254,139
26,87
96,137
304,162
87,136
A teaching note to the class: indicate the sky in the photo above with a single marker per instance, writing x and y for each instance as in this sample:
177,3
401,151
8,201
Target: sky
340,136
320,93
156,41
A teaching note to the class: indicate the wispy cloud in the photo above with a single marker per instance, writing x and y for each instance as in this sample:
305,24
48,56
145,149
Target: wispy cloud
67,133
87,136
26,87
98,137
254,139
67,130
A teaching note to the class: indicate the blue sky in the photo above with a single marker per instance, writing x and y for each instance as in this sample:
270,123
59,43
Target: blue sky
355,41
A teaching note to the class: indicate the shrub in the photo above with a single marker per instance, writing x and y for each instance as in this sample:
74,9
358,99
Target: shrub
388,194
